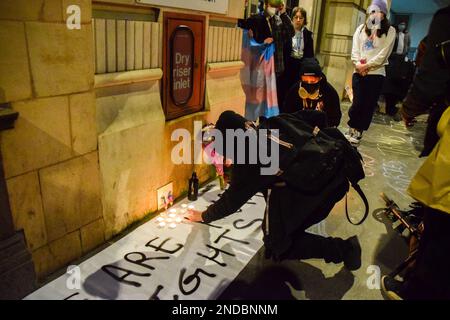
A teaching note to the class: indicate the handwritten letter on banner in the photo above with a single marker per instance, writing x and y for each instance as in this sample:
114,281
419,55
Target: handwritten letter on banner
216,6
190,261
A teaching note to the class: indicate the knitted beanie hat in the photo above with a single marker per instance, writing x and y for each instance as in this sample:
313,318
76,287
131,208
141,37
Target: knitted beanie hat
378,4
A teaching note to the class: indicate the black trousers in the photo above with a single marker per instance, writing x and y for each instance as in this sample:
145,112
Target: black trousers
430,277
366,91
308,245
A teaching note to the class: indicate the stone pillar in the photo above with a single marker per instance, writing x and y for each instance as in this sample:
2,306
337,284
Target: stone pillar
339,24
17,276
313,12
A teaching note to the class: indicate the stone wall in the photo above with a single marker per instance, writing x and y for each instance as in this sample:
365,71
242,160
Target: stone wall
87,153
51,158
135,140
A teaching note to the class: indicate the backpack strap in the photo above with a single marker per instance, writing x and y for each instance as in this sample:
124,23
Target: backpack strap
366,204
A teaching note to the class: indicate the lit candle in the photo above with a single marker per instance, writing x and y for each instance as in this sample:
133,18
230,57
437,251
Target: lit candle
169,220
178,220
162,224
183,211
184,205
173,210
172,225
172,215
159,219
191,207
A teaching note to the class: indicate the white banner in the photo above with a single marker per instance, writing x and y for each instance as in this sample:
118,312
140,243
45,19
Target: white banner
216,6
180,260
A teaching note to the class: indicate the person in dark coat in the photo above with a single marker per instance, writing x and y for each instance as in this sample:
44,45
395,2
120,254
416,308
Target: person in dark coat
274,25
313,92
289,212
301,47
430,90
399,72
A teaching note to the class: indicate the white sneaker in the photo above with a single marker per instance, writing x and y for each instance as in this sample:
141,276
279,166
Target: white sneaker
355,138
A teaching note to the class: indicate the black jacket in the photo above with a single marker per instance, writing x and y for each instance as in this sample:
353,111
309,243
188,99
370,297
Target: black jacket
261,30
430,90
332,106
289,209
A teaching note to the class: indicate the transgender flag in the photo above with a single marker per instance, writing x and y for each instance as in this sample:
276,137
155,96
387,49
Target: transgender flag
258,78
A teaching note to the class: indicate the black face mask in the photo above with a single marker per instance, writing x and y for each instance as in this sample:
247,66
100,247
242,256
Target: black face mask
309,91
310,87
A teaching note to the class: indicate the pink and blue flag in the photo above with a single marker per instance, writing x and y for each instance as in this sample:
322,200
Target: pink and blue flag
258,78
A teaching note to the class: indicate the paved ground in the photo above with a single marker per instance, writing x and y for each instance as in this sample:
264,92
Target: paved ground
391,158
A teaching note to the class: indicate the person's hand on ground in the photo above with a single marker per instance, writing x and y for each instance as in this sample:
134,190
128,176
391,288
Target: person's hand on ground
268,40
194,215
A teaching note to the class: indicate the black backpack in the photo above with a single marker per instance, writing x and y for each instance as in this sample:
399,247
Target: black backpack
312,158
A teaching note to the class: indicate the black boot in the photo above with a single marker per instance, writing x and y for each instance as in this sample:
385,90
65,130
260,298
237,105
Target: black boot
352,253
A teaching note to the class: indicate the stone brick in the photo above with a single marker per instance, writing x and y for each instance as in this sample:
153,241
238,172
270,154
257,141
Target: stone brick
52,11
15,82
71,195
32,10
26,206
42,262
83,122
41,136
61,60
92,235
224,92
22,10
131,151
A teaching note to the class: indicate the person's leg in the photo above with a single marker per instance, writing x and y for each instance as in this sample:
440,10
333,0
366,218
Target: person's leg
430,277
431,137
354,113
391,102
306,245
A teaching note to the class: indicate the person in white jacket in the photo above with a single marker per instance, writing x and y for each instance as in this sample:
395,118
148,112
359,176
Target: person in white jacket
372,46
